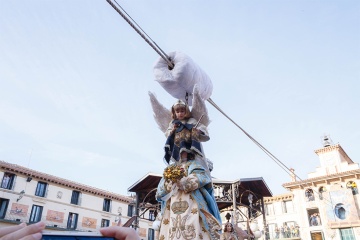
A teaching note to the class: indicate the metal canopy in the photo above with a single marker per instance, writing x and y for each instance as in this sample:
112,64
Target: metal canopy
145,190
230,193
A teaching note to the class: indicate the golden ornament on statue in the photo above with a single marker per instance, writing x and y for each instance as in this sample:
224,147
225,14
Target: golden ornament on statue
173,173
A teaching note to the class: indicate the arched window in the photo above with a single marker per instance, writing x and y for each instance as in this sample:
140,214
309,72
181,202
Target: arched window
352,185
321,190
340,211
309,194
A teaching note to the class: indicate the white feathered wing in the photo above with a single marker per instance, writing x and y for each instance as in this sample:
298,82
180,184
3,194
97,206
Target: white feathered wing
199,108
162,114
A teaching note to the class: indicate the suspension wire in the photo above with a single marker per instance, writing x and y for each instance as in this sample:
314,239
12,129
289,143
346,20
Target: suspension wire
267,152
142,33
164,56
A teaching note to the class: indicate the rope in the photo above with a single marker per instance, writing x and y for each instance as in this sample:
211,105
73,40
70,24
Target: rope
142,33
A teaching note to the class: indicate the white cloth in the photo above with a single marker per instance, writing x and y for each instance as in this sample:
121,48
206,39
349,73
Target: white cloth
183,77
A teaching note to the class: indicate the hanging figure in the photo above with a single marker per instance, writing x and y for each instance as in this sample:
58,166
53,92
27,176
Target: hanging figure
184,135
188,206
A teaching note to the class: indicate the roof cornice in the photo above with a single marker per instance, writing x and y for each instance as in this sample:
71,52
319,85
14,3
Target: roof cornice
328,177
278,198
332,148
328,149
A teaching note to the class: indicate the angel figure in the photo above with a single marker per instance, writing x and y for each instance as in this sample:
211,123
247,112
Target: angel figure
188,206
184,134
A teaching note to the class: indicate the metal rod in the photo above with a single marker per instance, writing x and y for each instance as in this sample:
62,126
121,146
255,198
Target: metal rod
162,54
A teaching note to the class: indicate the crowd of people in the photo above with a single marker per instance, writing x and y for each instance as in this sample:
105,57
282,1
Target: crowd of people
315,219
287,232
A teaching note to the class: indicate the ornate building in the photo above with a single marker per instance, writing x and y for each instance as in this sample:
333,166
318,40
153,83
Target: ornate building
323,206
30,196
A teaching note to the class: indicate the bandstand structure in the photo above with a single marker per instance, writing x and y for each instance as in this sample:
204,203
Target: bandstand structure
240,199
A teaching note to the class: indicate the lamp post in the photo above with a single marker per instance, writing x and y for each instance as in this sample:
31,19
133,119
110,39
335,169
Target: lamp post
22,193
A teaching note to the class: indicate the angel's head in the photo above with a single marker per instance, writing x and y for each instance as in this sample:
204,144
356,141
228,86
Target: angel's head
180,110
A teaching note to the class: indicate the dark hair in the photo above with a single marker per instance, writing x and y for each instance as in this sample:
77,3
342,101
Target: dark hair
227,224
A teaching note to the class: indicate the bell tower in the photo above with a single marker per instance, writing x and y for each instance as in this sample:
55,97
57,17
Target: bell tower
333,158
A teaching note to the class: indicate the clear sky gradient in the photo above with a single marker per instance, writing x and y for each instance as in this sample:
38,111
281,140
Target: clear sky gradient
74,82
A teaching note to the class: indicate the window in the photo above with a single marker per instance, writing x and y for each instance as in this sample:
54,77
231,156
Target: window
288,207
321,191
266,210
309,194
75,198
106,205
105,223
314,217
317,236
151,234
3,207
347,234
41,189
340,211
131,211
269,209
72,221
152,215
273,231
8,181
291,229
35,215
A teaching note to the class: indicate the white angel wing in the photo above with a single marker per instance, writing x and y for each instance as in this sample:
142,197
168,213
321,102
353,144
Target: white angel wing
199,108
162,115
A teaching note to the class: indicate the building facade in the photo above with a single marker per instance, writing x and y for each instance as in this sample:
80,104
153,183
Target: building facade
30,196
323,206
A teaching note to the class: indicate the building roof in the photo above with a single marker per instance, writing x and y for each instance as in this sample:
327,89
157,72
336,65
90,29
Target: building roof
144,187
14,168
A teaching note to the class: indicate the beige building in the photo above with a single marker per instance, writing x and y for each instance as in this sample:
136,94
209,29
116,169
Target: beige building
323,206
30,196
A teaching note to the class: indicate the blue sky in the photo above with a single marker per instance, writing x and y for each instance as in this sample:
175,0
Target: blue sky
75,79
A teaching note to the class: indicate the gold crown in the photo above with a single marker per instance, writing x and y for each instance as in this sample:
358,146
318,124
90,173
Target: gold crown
179,207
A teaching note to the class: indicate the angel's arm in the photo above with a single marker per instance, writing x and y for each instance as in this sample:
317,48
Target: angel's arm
201,130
